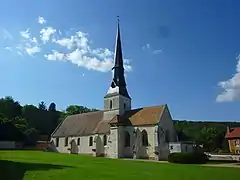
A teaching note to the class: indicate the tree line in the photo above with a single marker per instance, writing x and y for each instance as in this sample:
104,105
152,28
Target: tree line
29,123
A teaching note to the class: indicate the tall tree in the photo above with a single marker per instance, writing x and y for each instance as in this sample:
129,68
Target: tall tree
52,107
10,108
42,106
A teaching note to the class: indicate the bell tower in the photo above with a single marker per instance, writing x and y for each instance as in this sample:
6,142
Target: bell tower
117,99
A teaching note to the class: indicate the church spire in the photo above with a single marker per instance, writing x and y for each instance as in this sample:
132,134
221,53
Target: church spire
118,59
118,81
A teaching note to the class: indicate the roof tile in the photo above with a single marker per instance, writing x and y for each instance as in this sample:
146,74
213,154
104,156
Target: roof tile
233,133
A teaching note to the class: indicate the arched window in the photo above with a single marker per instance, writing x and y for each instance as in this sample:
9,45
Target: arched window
110,104
66,141
127,139
57,142
90,141
124,105
144,138
78,141
105,140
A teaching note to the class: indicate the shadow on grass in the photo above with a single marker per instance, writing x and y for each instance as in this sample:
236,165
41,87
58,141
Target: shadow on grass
15,170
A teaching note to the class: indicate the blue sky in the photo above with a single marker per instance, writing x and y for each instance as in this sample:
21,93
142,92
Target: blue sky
183,53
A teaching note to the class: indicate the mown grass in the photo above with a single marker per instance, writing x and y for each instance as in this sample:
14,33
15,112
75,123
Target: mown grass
34,165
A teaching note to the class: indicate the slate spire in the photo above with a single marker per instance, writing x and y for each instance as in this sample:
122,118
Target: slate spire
118,69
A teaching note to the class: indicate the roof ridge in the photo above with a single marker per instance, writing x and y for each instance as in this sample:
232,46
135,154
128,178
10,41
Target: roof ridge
149,106
91,112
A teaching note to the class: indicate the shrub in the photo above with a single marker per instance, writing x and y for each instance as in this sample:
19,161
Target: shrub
188,158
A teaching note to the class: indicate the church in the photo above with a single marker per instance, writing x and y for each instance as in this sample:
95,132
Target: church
117,131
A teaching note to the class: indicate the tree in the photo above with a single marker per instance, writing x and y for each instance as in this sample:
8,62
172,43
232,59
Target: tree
32,136
52,107
28,107
42,106
20,123
10,108
75,109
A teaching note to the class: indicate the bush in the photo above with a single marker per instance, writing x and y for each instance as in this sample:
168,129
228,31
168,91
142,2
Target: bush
187,158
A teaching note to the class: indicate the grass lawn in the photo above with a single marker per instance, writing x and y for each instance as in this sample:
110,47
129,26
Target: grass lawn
35,165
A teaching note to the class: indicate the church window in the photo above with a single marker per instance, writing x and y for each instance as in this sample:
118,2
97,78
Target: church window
78,141
105,140
124,106
110,105
127,139
66,141
90,141
57,142
144,138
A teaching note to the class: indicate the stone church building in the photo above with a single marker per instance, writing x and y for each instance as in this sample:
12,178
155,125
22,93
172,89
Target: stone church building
117,131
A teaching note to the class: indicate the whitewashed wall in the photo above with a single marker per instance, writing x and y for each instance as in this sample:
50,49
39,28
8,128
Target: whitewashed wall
84,147
142,151
7,144
175,147
166,124
112,149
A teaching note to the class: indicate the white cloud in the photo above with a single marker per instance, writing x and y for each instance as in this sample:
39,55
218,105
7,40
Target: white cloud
7,35
66,42
8,48
78,40
80,58
41,20
29,44
31,50
231,87
46,33
25,34
55,56
75,48
34,40
157,51
102,53
148,48
99,59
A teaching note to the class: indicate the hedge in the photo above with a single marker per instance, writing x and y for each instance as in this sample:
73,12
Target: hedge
187,158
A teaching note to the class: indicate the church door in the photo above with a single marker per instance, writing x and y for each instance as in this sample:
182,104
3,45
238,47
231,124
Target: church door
99,146
74,147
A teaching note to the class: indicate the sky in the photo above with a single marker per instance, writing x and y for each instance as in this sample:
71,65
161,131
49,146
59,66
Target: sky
181,53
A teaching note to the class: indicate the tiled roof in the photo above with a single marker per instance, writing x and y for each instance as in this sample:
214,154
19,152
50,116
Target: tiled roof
233,133
92,123
141,116
79,124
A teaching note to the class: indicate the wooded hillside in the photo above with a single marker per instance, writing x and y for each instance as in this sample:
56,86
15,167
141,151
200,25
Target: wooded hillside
28,122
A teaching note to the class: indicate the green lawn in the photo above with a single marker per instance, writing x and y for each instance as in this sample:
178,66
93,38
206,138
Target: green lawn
34,165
